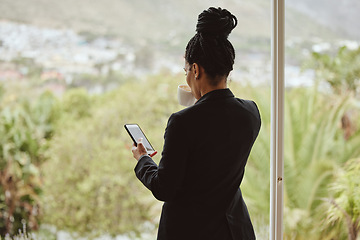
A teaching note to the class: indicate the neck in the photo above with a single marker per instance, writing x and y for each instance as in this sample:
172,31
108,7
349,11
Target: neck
206,88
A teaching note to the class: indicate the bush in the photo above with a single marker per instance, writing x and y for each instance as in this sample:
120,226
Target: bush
90,186
25,128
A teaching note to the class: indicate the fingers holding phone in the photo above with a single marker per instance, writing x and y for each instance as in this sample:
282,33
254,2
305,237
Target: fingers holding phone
138,150
136,134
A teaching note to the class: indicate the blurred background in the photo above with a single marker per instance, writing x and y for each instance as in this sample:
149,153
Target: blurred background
72,73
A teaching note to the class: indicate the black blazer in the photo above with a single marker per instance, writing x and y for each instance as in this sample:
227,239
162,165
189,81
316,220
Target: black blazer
206,148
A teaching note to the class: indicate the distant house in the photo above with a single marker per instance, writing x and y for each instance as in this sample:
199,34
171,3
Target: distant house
53,81
52,75
10,75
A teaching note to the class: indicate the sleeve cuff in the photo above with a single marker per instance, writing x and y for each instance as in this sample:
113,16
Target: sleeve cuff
141,162
142,156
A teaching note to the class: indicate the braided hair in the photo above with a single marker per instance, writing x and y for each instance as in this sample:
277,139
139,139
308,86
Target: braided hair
210,46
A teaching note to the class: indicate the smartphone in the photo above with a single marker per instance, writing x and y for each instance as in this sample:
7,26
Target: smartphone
136,133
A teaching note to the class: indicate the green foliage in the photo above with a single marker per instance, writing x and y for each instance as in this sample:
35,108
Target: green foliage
341,71
343,208
87,167
314,149
25,127
22,235
76,104
90,185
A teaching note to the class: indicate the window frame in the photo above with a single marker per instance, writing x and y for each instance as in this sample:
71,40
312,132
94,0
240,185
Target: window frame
277,120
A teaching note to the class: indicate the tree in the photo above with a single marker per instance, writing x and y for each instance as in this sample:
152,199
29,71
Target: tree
90,186
341,71
314,148
25,127
343,208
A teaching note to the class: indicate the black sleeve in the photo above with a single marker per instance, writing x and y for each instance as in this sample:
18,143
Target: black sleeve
165,180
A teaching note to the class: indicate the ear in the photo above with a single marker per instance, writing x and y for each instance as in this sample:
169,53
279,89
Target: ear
196,70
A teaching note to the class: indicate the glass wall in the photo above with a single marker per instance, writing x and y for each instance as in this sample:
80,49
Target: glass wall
72,73
321,120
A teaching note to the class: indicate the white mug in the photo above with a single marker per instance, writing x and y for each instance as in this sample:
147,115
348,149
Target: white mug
185,96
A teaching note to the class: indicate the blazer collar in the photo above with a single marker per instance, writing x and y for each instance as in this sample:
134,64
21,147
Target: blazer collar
216,95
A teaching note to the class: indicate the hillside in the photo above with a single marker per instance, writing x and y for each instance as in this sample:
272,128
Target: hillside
173,22
340,16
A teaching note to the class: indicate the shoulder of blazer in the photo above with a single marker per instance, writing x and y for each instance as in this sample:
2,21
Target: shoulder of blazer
250,106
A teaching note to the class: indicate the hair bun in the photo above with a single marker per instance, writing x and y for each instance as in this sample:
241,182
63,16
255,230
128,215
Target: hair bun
216,22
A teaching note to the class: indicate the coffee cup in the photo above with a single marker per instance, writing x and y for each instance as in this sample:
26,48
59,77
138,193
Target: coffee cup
185,96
